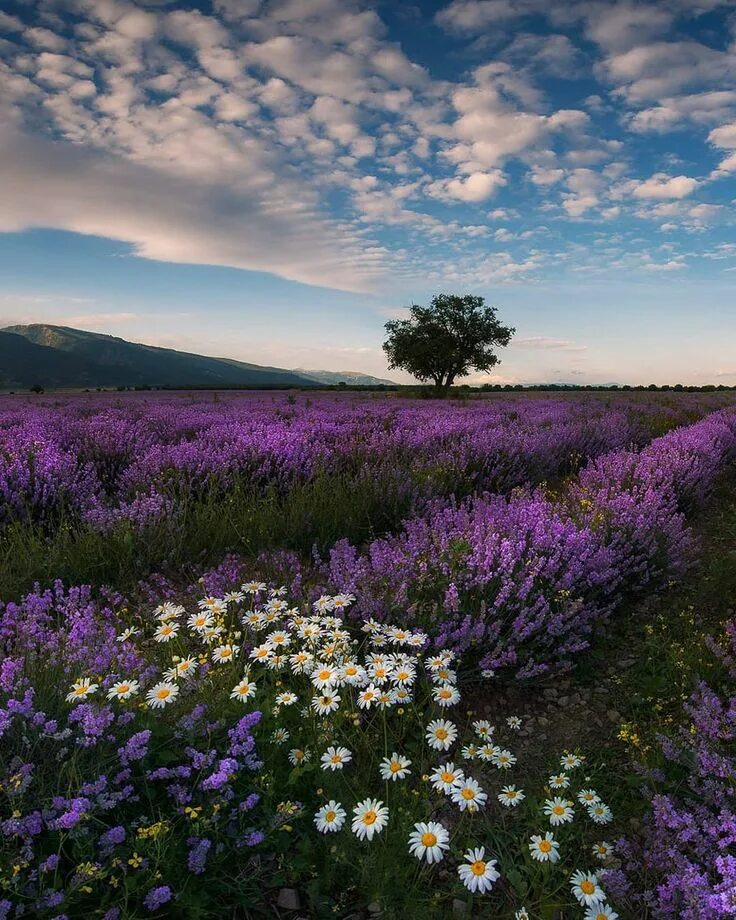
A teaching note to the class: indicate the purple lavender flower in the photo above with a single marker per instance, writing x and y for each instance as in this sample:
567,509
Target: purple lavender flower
157,897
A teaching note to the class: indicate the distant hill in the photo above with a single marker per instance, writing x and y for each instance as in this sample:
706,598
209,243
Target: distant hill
352,378
58,356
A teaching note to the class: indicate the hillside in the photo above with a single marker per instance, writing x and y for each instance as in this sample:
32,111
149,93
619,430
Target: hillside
58,356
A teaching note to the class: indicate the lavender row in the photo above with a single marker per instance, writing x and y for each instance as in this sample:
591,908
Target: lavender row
523,580
683,864
137,458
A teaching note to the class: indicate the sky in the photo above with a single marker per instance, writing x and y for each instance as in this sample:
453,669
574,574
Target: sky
273,180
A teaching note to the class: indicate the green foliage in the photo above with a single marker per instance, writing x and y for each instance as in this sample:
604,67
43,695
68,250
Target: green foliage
446,340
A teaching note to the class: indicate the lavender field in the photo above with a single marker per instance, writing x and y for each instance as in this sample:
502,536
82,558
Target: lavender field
273,654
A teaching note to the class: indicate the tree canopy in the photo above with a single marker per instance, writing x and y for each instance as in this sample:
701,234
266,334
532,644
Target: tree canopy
446,340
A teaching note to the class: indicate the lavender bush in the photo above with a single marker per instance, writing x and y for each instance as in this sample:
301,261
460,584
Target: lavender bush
524,579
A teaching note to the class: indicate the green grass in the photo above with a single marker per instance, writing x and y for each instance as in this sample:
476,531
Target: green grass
242,520
666,635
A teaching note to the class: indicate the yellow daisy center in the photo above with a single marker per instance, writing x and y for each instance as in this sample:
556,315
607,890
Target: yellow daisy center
511,794
445,694
336,758
225,653
79,691
429,839
123,688
163,694
587,887
558,810
545,846
330,816
441,734
325,675
478,867
447,777
468,794
370,817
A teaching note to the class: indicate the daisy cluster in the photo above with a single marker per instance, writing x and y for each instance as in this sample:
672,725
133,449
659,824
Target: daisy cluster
338,694
361,721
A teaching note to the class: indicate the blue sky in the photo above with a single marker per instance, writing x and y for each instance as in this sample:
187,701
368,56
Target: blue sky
273,181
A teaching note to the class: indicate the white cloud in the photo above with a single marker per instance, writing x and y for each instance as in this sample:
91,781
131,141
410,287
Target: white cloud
478,186
662,187
724,136
262,225
672,266
649,72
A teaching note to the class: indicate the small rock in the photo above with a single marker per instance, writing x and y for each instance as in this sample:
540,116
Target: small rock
459,908
613,715
288,899
563,701
374,909
542,720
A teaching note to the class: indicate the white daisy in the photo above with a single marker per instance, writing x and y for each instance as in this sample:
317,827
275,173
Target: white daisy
335,758
261,653
224,654
162,694
254,587
287,698
470,751
478,874
123,690
328,701
467,794
504,760
483,729
324,676
330,817
368,697
200,621
600,813
278,639
514,722
301,662
394,767
570,761
446,777
586,889
559,811
280,736
559,781
428,841
128,633
588,797
600,912
441,734
487,752
445,695
602,850
299,756
166,632
371,816
544,849
81,689
510,796
244,690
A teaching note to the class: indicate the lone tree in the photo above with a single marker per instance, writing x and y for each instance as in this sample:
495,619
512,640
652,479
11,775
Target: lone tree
446,340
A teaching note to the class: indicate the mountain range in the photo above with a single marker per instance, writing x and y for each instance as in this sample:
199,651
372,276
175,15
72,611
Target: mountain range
59,356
